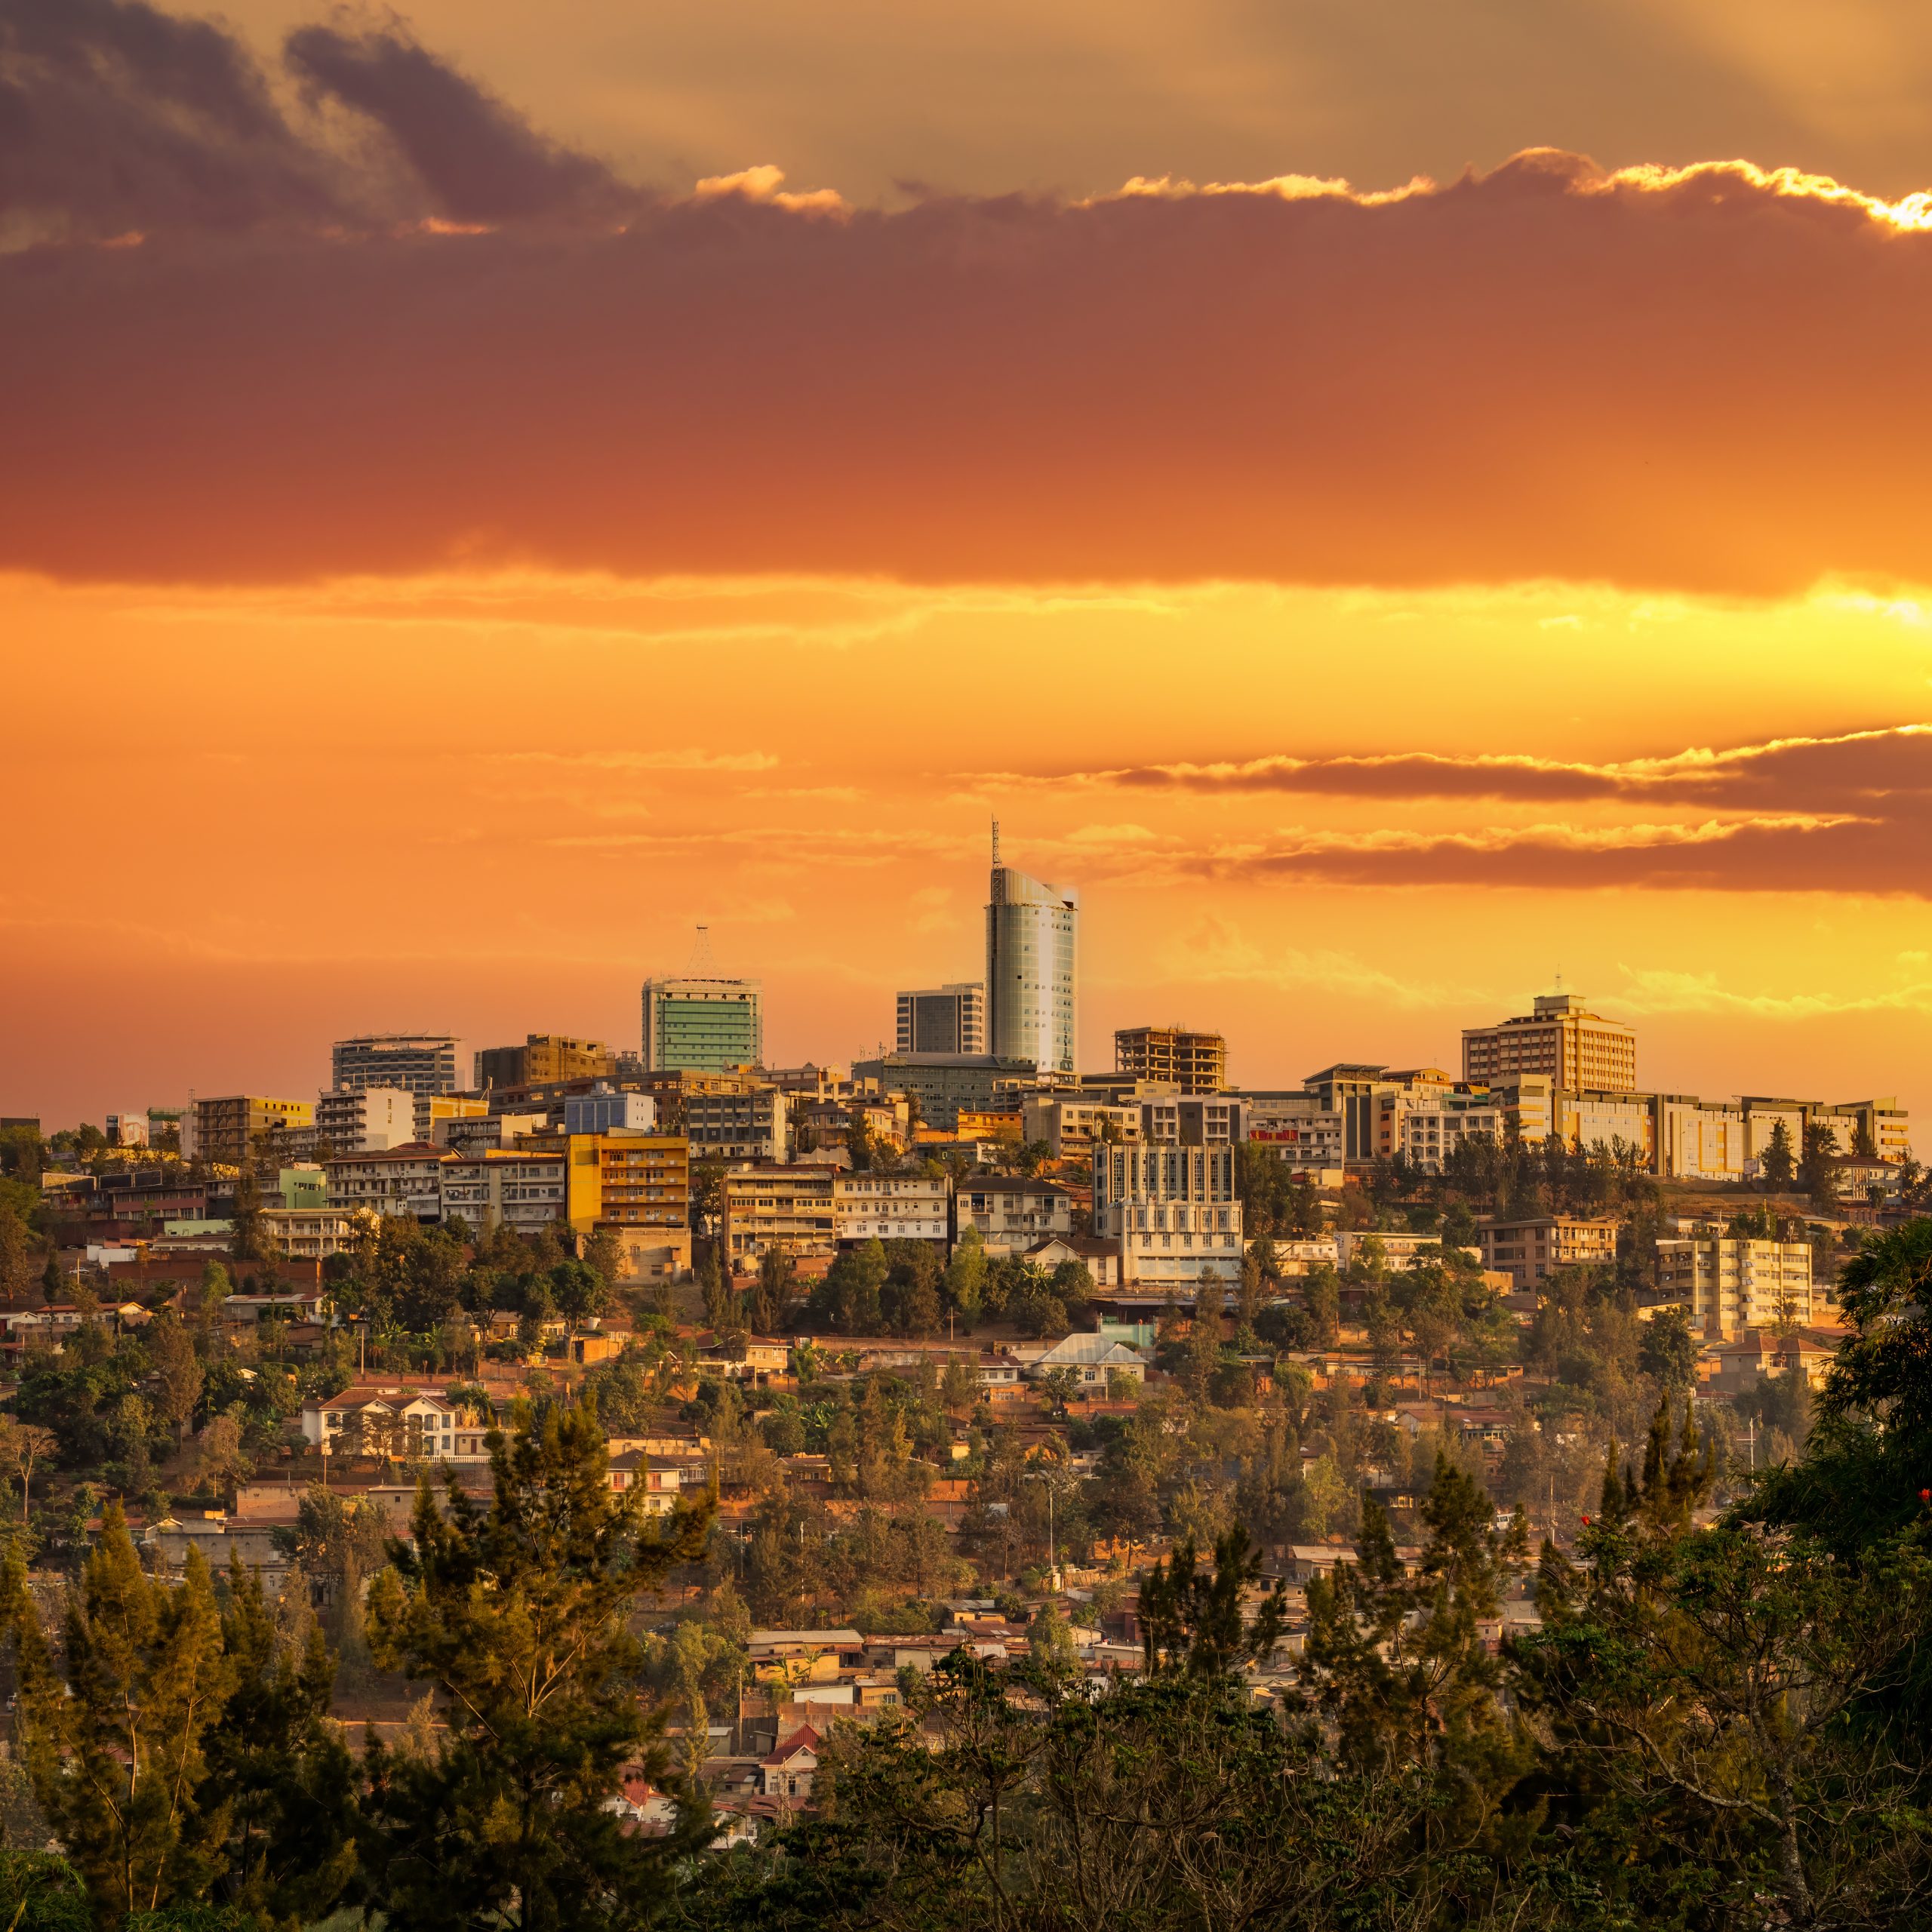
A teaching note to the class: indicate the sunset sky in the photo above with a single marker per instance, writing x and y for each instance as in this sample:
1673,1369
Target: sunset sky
1395,501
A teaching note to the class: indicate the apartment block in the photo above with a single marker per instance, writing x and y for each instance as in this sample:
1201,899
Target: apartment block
1560,1038
1731,1286
230,1131
1199,1120
416,1063
543,1056
1528,1251
1195,1062
1296,1129
1071,1129
405,1182
488,1188
869,1207
361,1120
787,1207
1171,1212
1011,1215
942,1020
751,1125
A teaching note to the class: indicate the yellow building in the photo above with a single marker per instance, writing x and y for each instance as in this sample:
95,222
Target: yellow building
1731,1286
1561,1039
637,1185
1529,1251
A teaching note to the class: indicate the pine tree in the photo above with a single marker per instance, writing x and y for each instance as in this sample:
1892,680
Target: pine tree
278,1772
517,1616
116,1746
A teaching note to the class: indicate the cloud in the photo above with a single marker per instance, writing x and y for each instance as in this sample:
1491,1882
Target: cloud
1849,813
1846,771
1705,378
482,160
120,121
688,758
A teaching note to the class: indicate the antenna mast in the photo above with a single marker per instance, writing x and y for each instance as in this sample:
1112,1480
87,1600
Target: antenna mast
995,841
703,966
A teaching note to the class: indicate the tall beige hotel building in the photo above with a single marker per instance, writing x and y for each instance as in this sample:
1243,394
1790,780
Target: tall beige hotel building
1562,1039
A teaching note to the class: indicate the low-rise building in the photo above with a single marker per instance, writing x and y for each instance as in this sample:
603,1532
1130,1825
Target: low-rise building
1091,1359
401,1424
1069,1128
308,1234
868,1207
1012,1215
1530,1251
1731,1285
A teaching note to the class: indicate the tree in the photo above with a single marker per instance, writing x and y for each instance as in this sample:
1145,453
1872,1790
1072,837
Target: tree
1780,1160
178,1372
19,1258
280,1780
1669,1351
517,1617
1050,1644
22,1445
964,1284
1190,1620
114,1745
1397,1663
771,1298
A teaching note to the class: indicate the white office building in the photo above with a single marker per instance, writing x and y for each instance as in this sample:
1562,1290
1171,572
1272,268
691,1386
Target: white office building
1172,1212
1032,960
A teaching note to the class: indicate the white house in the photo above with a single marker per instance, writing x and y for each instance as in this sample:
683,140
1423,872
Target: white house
1091,1358
411,1425
788,1771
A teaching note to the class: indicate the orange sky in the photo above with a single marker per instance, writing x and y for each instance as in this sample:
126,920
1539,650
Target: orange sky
1375,605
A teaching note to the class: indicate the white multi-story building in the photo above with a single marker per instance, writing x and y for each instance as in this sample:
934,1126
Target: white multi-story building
1731,1285
404,1425
1032,968
417,1063
1297,1130
1172,1210
1011,1215
871,1207
488,1187
364,1120
405,1182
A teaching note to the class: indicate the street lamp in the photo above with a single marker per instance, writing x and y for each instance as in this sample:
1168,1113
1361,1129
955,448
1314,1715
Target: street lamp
1053,1565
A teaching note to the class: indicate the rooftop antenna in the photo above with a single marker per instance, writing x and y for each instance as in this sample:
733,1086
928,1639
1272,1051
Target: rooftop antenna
995,841
703,966
1559,980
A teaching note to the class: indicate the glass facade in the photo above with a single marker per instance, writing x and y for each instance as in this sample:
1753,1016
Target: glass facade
1032,941
706,1025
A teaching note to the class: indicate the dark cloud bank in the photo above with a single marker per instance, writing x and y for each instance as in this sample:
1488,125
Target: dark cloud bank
237,341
